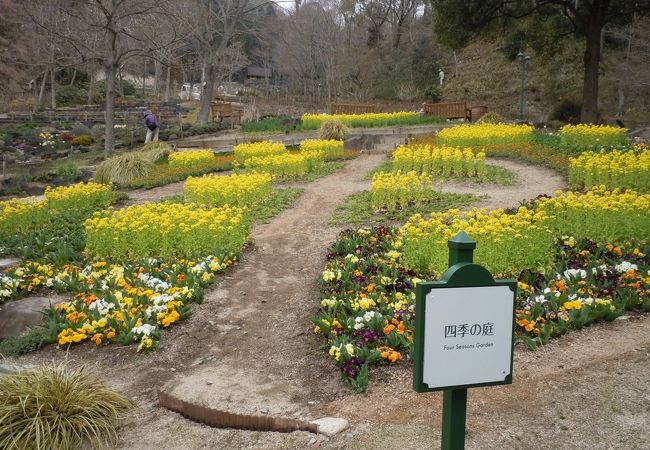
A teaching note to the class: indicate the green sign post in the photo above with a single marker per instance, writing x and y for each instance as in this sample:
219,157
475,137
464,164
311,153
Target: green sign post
464,335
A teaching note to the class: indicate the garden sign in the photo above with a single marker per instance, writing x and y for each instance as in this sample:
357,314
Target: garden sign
464,335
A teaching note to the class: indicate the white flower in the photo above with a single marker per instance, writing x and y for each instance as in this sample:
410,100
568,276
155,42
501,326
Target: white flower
625,266
352,258
349,348
145,329
575,273
102,306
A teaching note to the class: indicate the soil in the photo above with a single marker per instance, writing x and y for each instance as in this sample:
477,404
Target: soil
249,348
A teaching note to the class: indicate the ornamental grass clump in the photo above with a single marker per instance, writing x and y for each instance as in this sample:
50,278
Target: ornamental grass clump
165,230
603,215
394,190
485,134
235,190
442,161
123,169
258,150
288,165
191,158
506,243
331,148
617,169
332,129
592,136
156,152
58,407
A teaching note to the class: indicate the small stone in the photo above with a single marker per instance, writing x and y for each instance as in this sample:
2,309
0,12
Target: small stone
331,426
209,382
311,403
172,369
623,318
264,410
211,322
312,441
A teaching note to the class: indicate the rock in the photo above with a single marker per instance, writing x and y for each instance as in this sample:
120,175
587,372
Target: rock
264,410
312,441
623,318
6,263
330,426
19,315
209,382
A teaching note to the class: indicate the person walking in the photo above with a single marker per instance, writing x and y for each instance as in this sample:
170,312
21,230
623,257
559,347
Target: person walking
153,126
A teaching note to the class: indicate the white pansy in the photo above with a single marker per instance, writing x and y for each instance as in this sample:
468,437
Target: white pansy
575,274
625,266
144,329
102,306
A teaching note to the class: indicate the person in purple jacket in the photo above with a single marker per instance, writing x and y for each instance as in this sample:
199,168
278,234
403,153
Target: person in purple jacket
153,126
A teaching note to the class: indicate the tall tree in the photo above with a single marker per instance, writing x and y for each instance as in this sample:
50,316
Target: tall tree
457,21
108,32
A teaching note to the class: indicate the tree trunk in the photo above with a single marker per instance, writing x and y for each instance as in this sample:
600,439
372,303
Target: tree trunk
206,95
168,81
74,76
589,113
53,88
91,86
39,104
109,137
156,79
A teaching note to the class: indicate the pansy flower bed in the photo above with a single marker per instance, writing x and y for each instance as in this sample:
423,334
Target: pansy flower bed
565,281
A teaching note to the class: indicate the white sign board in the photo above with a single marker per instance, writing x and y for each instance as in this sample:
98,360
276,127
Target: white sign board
468,336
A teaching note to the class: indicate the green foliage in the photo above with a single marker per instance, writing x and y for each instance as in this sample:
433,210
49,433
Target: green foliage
57,407
268,207
567,111
357,208
433,93
83,139
68,172
333,129
123,169
71,95
491,117
277,123
30,341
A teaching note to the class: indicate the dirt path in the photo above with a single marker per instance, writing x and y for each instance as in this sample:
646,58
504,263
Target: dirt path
531,181
249,348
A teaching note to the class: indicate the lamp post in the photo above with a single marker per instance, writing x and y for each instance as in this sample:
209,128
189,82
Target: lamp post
523,60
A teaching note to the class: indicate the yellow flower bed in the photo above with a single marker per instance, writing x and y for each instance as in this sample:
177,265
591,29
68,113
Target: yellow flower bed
22,215
330,148
506,242
600,214
584,135
368,120
485,134
445,161
396,189
86,194
617,169
286,165
165,230
235,190
258,149
190,158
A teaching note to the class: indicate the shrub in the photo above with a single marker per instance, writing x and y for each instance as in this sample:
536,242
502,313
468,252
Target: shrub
491,117
68,172
332,129
83,139
56,407
71,95
432,92
567,111
123,169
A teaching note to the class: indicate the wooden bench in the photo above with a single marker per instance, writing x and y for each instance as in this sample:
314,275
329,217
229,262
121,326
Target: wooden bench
455,110
223,110
352,108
